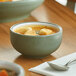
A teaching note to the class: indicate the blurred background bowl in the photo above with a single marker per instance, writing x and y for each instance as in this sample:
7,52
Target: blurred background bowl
17,10
13,67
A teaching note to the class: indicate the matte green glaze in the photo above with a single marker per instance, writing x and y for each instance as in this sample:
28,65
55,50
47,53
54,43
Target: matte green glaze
17,10
36,46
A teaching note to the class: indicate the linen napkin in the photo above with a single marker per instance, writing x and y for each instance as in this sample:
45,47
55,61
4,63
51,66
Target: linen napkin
46,70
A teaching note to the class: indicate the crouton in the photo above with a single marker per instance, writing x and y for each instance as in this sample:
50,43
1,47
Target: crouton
30,32
45,31
22,30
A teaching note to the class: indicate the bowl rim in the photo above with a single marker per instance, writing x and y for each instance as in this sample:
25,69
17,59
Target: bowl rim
17,1
59,27
21,70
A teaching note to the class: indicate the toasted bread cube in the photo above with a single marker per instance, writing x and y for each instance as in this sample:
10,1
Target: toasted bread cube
28,28
22,30
45,31
30,32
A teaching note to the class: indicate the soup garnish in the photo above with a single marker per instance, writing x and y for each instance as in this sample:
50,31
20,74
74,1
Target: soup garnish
5,72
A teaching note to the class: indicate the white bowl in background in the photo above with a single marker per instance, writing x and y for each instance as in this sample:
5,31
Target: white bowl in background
12,66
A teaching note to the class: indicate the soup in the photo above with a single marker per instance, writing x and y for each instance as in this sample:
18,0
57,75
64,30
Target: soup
36,30
8,0
6,72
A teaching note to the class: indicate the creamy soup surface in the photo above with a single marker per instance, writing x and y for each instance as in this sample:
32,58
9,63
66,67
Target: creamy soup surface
36,30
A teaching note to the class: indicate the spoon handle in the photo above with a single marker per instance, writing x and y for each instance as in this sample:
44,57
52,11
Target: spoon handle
70,62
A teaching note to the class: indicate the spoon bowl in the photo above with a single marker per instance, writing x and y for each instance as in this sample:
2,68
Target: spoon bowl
58,67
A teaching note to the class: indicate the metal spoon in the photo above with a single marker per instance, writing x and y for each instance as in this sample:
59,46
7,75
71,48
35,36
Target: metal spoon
61,67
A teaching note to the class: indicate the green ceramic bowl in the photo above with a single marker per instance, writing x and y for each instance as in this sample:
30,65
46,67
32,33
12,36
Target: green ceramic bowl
17,10
36,46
